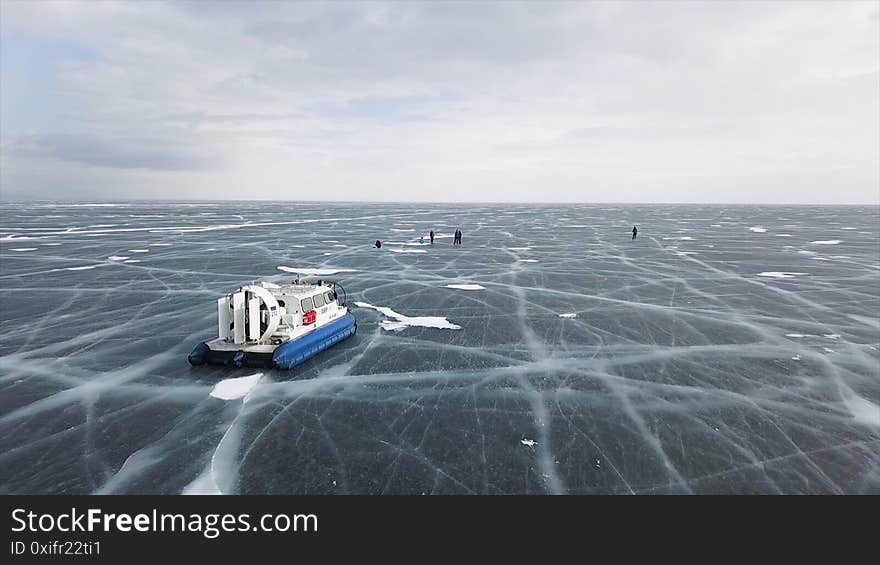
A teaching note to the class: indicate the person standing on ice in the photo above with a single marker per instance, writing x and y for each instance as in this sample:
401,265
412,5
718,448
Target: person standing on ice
378,244
431,235
635,232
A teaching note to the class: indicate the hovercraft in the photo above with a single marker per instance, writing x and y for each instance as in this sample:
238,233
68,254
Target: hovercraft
268,325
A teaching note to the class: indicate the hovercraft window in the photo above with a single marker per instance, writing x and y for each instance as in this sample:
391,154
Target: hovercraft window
319,300
329,297
281,303
307,304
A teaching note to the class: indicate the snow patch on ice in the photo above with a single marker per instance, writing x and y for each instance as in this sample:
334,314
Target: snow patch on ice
132,261
466,286
519,248
528,260
204,484
407,250
757,229
401,322
827,242
117,258
568,315
21,249
232,389
312,271
138,250
862,410
783,235
83,268
90,205
528,442
779,275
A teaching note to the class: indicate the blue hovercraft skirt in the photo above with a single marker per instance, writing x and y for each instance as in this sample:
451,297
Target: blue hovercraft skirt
293,353
287,355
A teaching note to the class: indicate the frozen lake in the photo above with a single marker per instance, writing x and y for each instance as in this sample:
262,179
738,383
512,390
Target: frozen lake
728,349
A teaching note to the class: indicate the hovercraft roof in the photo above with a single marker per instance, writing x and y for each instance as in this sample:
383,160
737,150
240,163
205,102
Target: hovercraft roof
304,289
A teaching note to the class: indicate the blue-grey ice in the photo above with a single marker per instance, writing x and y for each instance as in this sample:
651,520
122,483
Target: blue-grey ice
720,360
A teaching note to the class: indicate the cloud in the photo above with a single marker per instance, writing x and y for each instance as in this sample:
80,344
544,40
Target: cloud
122,153
382,108
735,102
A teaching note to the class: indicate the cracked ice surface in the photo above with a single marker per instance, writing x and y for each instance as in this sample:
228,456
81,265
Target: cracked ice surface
680,373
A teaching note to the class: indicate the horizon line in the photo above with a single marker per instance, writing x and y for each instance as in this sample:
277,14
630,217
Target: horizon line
458,202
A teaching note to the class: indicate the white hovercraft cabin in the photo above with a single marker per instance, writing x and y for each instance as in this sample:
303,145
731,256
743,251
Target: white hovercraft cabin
257,323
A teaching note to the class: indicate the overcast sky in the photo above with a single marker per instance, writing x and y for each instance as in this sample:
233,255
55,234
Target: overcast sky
588,102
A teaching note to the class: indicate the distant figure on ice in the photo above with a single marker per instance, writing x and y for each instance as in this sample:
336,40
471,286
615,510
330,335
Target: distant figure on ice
378,244
421,239
456,238
635,232
432,237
